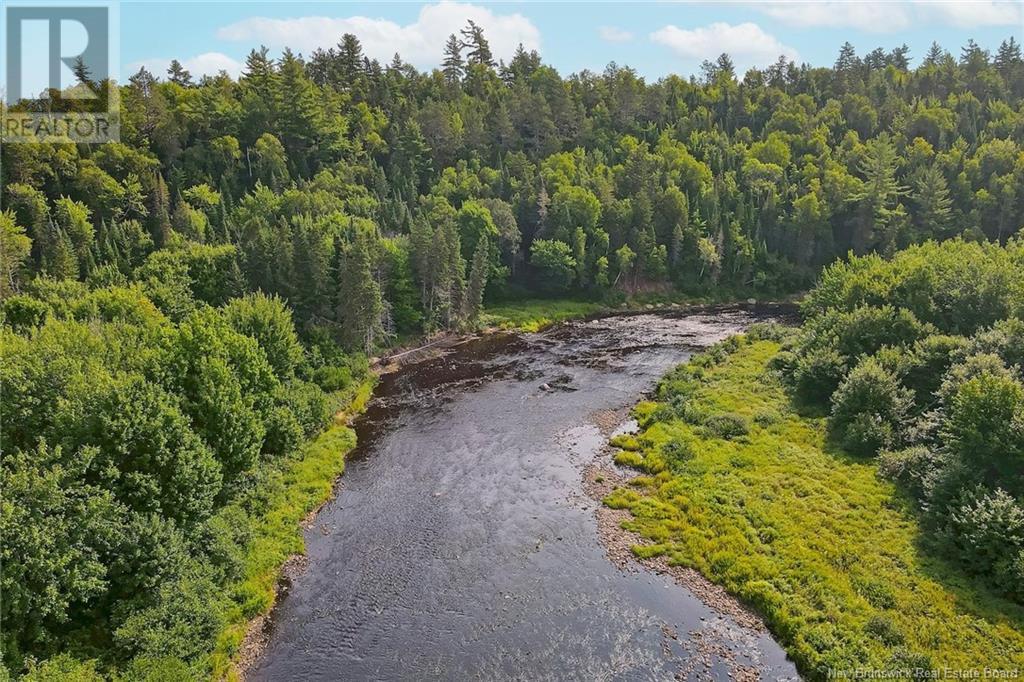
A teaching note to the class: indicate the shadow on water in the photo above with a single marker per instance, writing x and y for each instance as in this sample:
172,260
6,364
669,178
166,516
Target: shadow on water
459,545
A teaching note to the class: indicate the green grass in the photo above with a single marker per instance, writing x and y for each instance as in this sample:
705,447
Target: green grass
535,314
809,537
290,491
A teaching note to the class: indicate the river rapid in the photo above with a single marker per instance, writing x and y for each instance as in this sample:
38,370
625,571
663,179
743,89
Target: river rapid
460,544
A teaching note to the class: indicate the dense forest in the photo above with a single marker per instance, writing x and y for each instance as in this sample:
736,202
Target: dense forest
184,308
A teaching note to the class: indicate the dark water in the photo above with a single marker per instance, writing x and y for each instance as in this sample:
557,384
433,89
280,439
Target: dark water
460,546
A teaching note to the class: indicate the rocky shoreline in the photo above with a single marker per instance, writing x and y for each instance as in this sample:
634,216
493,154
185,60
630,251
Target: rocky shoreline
599,479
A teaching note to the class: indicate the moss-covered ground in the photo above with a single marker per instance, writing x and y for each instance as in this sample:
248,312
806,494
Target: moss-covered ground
739,486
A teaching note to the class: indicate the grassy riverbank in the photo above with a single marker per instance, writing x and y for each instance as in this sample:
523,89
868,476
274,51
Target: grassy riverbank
742,488
289,492
534,314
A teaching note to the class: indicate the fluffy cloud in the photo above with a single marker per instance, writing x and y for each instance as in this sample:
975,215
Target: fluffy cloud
420,43
746,43
893,16
613,34
206,64
971,14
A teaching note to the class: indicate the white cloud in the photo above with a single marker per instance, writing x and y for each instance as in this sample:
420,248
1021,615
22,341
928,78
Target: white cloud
420,42
746,43
206,64
885,17
613,34
972,14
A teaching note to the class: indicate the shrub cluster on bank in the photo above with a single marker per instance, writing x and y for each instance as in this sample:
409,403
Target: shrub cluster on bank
921,361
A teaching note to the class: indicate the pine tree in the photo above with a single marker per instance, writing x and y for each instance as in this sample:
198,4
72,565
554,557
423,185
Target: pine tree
479,48
350,71
478,272
360,302
935,54
931,195
15,247
878,197
159,213
453,67
176,73
1008,55
300,114
61,262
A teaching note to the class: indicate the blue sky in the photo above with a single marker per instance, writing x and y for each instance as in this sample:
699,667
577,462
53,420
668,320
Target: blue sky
654,38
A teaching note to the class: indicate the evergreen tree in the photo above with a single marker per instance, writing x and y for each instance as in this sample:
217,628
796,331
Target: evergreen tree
478,273
452,66
360,302
159,213
878,197
15,248
479,48
178,74
934,206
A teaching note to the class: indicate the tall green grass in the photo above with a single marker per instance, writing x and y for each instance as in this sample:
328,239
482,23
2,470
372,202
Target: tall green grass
740,487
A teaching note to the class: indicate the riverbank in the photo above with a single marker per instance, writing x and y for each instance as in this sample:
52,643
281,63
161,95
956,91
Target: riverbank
290,496
739,487
532,315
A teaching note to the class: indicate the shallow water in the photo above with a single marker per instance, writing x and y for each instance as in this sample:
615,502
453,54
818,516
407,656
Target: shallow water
460,545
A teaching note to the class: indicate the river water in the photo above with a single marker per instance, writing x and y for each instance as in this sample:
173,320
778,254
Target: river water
459,545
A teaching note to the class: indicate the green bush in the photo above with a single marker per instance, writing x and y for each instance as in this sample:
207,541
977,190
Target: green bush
181,622
869,409
916,469
817,375
983,430
985,530
727,426
268,320
884,630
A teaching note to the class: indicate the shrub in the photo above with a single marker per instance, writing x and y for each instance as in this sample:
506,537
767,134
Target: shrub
727,426
816,376
309,404
930,360
884,630
1005,339
283,432
183,619
63,668
869,409
986,531
332,378
916,469
677,451
768,331
983,429
268,320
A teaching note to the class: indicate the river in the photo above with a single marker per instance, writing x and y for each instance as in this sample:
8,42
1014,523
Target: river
460,545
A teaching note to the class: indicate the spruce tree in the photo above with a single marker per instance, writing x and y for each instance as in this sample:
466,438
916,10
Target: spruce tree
360,302
934,207
453,67
478,273
159,213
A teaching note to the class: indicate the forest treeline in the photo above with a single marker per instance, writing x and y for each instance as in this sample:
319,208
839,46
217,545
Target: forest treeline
182,308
